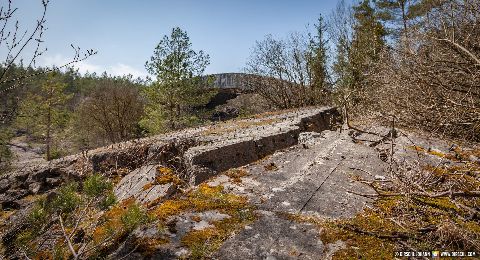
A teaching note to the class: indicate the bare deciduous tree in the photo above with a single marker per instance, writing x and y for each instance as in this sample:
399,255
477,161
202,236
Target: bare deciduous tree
112,112
282,72
435,85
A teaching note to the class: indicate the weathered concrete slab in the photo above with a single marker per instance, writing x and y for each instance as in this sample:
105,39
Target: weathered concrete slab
273,237
196,153
308,181
291,162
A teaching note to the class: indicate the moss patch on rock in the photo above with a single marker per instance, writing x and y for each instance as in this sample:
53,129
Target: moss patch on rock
202,243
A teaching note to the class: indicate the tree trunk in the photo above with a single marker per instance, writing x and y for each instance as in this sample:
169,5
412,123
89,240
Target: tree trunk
49,123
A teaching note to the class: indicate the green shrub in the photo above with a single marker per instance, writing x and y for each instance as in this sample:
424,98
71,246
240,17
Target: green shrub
38,214
67,199
5,153
108,200
24,239
96,185
134,217
55,154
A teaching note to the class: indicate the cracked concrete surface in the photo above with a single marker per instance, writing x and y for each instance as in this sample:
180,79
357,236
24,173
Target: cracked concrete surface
309,181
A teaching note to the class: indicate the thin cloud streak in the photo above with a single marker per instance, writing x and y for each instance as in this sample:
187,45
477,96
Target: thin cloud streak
119,69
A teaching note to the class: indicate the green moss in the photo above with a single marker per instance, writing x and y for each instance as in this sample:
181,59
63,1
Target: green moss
24,238
38,214
119,220
358,246
373,233
443,203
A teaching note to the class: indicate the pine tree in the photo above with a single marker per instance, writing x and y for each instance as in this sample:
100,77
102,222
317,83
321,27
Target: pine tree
368,41
43,113
317,60
340,30
179,84
395,13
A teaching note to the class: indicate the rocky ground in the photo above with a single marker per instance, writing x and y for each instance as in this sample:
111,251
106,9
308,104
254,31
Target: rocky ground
24,154
275,186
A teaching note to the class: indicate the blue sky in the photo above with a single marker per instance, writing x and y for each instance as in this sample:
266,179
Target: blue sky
125,32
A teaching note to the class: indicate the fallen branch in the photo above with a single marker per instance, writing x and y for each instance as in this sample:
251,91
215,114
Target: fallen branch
67,238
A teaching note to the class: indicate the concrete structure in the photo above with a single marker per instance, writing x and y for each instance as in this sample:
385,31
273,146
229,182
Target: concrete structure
230,80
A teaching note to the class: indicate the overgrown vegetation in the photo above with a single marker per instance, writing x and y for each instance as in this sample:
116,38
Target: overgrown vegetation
83,221
291,72
43,114
5,153
424,70
424,208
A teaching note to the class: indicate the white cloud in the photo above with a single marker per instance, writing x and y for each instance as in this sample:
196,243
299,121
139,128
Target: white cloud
123,69
118,69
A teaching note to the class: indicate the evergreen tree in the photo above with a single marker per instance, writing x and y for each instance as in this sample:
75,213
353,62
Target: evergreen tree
342,67
367,42
43,113
179,85
317,59
340,30
423,7
395,13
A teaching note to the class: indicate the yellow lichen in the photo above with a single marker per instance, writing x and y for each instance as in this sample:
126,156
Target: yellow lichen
169,208
455,154
202,243
196,218
147,186
111,221
207,198
166,175
358,246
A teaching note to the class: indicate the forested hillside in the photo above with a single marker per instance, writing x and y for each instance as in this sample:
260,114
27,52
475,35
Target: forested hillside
66,112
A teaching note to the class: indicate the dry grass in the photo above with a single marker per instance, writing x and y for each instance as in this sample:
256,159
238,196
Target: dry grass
236,175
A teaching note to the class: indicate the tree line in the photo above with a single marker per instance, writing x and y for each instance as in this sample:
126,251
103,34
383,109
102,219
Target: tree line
413,60
68,112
